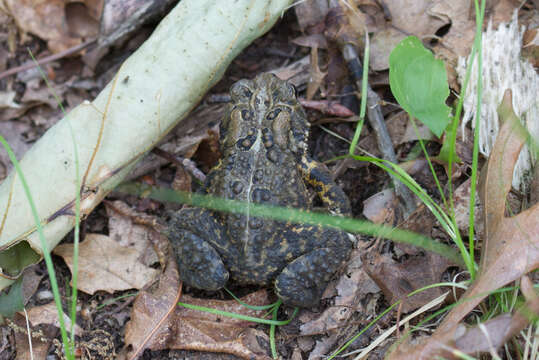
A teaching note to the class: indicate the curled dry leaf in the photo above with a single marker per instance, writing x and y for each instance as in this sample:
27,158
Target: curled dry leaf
495,332
530,46
511,244
106,265
151,317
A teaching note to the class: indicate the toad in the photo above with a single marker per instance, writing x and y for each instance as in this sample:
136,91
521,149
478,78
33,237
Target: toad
263,141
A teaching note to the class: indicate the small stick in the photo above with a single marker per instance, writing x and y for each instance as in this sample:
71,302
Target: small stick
47,59
376,119
188,164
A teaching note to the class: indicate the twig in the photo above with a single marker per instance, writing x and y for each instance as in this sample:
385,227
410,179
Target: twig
187,164
47,59
376,119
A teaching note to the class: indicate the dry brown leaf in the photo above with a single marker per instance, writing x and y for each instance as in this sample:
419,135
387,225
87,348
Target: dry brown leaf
316,76
202,331
382,42
151,320
412,17
311,14
460,13
14,131
492,334
352,288
530,46
182,180
380,207
397,280
156,323
313,41
511,245
48,314
48,20
126,233
327,107
106,265
461,198
41,339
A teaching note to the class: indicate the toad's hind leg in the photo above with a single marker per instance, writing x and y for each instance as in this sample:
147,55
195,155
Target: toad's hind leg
199,264
302,282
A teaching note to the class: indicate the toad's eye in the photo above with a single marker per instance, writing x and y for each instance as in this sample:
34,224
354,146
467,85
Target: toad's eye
292,91
240,91
273,114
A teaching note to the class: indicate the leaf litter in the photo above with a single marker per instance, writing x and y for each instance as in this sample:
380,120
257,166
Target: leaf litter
355,293
510,251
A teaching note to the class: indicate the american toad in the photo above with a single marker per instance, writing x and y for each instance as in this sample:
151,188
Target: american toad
264,146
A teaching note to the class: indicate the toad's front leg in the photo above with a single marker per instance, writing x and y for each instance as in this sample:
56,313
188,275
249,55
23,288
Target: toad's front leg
199,264
318,176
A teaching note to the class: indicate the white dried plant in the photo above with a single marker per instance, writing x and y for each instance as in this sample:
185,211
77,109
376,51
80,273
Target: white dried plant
503,68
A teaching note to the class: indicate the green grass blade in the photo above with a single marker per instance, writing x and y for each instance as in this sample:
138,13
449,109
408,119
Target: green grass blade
46,254
75,270
237,316
293,215
363,106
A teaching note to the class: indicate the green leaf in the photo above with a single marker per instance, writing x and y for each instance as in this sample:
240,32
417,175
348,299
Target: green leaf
16,258
419,83
13,301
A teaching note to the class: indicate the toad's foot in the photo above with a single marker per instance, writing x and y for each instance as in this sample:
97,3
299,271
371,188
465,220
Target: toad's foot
199,263
302,282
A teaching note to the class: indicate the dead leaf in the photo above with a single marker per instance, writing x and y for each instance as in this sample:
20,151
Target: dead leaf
41,339
397,280
327,107
460,13
530,46
37,93
316,76
106,265
156,323
461,198
151,320
380,207
79,20
30,282
352,288
313,41
311,14
125,232
511,245
48,314
202,331
413,17
7,100
14,131
182,180
46,19
382,43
